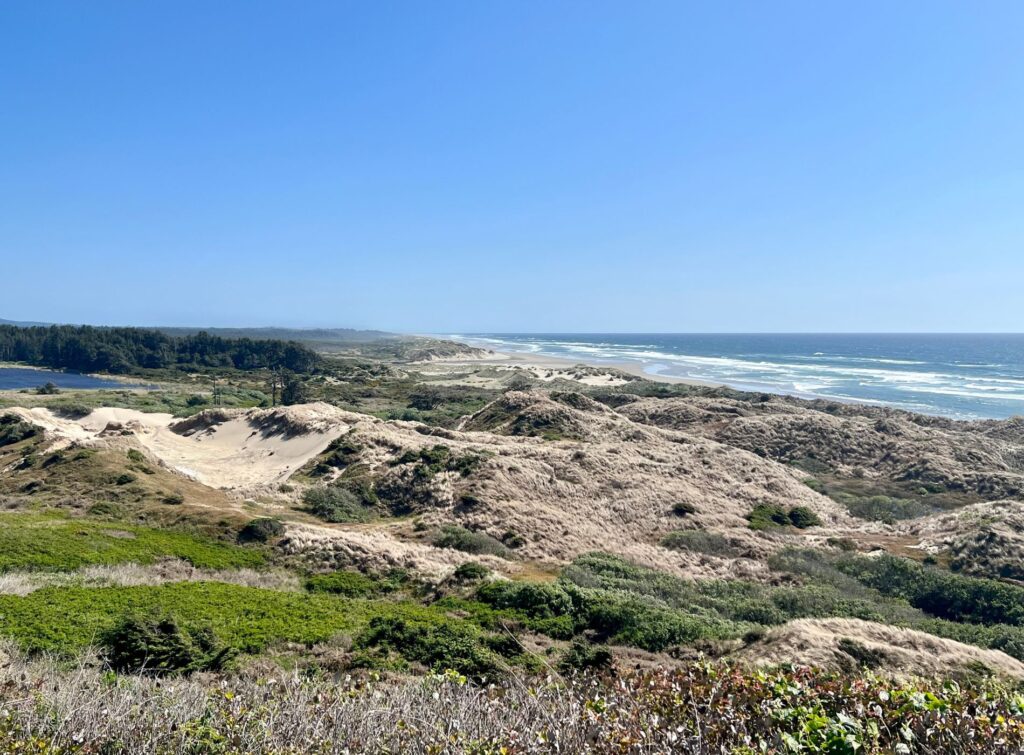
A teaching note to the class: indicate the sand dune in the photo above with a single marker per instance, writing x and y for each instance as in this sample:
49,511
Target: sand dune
901,652
219,448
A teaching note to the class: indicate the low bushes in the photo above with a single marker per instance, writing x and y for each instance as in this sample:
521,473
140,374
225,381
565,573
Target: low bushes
699,707
943,594
883,508
67,619
336,504
55,543
700,541
160,645
436,644
356,584
261,531
563,610
436,459
980,612
582,656
14,430
339,454
767,515
467,541
470,571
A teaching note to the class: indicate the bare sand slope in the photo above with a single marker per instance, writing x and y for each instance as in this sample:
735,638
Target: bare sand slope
219,448
834,643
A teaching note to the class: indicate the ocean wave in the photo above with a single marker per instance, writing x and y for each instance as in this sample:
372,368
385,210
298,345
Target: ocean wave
955,391
960,389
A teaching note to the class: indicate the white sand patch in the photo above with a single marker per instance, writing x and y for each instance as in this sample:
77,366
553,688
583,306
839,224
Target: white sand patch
219,448
584,375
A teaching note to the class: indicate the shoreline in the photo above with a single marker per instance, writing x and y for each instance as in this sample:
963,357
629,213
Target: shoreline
541,361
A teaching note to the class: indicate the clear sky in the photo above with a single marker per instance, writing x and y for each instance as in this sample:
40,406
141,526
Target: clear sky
514,166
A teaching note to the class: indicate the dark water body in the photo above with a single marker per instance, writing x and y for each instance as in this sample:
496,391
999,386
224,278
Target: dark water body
965,376
16,378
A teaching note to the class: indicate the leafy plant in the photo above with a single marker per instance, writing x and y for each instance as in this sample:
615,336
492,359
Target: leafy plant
470,571
161,645
336,504
766,516
14,430
467,541
802,517
261,530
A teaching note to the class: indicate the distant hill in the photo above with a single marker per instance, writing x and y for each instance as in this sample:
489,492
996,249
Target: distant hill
22,324
325,336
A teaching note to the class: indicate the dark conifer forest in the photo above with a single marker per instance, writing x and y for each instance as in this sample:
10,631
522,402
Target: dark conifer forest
126,350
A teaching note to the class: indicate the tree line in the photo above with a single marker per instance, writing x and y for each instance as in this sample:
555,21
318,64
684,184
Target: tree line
124,350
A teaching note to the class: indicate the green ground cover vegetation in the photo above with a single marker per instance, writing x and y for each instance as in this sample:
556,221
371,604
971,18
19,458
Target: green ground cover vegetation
52,542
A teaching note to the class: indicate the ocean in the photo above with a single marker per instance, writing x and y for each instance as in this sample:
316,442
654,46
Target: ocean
963,376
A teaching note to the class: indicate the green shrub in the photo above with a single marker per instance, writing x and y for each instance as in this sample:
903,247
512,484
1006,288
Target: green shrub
633,621
582,656
260,530
435,459
802,517
107,509
14,430
513,539
682,508
48,389
341,452
160,645
535,599
355,584
125,478
769,515
136,456
336,504
943,594
467,541
766,516
71,411
470,571
883,508
173,499
700,541
351,584
438,645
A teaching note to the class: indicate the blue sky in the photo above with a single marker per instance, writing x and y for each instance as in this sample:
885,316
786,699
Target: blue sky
514,166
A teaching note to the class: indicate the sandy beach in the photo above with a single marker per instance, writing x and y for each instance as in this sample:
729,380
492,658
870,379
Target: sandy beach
598,373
